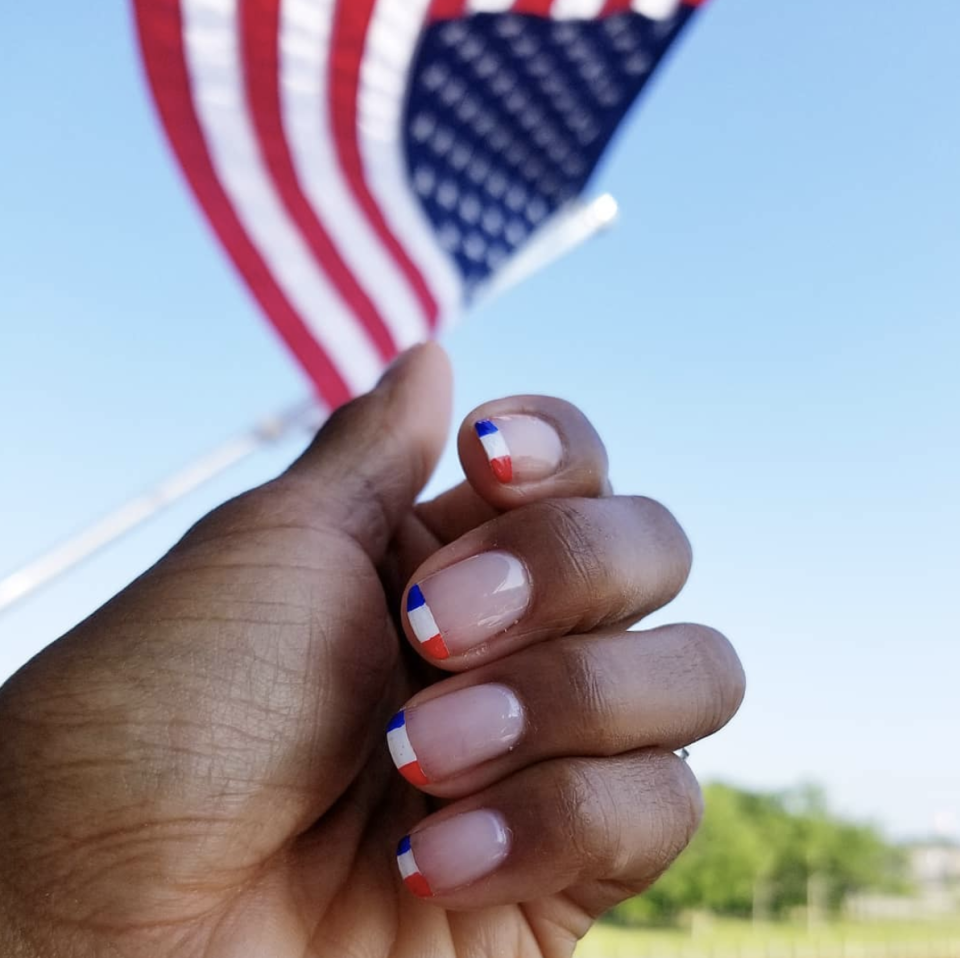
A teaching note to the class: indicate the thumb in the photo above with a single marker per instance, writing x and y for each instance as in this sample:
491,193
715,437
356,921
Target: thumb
374,455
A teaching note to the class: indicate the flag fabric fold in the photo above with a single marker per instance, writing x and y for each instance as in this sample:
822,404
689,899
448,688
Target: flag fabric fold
369,164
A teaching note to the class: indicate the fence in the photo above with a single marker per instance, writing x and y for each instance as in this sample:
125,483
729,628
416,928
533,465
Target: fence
607,942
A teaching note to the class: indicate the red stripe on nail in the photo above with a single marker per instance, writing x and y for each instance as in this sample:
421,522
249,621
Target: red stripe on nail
413,773
418,885
436,647
502,468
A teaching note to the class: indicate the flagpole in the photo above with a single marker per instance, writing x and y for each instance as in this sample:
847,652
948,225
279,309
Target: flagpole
577,222
569,228
76,549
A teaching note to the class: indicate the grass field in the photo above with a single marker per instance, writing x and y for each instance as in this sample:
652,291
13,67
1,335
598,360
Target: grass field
735,939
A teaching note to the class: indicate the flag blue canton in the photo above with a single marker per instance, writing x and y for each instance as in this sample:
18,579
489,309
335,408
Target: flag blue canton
508,114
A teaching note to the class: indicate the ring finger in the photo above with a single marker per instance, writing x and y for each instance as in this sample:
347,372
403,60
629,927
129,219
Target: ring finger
596,829
580,696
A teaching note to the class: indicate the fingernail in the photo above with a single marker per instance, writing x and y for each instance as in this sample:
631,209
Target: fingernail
468,603
453,853
520,448
447,735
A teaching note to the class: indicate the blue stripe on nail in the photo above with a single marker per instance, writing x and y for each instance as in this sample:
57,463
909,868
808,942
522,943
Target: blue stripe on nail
397,721
484,427
415,599
404,846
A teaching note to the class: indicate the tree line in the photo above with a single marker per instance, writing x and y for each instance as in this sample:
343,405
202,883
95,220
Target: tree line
765,855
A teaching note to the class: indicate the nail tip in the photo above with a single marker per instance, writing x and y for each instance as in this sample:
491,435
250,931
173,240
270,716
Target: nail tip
409,870
419,886
496,449
436,647
502,468
415,598
401,750
414,774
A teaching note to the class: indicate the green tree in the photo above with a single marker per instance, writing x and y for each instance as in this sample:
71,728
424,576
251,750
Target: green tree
763,854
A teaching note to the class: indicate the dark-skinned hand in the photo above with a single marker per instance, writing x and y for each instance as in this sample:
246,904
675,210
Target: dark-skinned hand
200,769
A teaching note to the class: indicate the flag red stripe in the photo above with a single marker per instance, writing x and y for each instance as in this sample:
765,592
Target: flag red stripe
350,24
450,9
535,8
260,25
447,9
620,6
160,29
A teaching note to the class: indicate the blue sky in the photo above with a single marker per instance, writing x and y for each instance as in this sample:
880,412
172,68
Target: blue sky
768,342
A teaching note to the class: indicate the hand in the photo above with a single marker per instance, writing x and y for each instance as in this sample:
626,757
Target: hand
199,770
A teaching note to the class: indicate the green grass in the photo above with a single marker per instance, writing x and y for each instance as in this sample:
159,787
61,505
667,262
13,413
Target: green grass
722,938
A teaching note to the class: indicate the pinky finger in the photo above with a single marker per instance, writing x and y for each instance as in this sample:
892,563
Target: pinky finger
571,825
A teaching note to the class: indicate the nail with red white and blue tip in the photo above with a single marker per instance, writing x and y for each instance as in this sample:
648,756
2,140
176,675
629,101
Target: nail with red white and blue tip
409,870
424,625
402,752
495,446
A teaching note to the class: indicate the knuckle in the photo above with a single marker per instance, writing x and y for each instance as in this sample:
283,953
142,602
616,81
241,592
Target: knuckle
579,540
598,716
662,526
724,683
676,809
590,828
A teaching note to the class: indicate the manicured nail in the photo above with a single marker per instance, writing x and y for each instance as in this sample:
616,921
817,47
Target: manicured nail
453,853
402,751
447,735
424,625
467,603
520,448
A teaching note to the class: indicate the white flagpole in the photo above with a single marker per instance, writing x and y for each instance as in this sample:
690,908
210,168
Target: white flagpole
568,229
74,550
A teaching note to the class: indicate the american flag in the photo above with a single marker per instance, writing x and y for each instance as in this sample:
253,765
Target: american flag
369,164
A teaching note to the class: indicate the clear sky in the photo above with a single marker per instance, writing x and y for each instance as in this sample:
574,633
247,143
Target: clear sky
769,343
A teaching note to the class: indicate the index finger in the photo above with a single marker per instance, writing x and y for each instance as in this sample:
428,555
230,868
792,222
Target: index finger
515,451
531,447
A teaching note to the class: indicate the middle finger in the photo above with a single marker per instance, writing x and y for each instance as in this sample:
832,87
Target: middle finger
544,570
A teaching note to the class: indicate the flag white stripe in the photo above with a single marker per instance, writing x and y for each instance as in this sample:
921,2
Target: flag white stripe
391,43
576,9
488,6
304,47
656,9
211,49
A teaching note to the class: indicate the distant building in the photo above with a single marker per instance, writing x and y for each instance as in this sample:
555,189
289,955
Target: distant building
935,865
934,873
